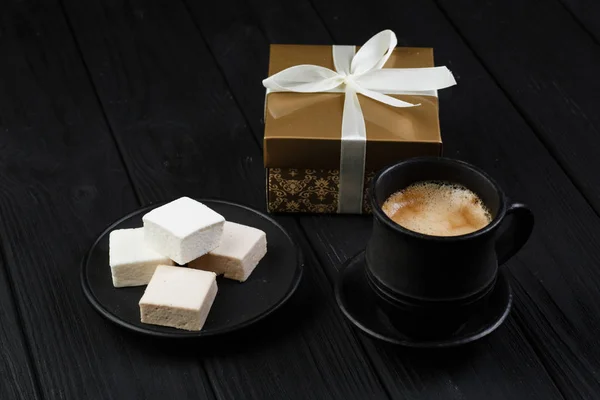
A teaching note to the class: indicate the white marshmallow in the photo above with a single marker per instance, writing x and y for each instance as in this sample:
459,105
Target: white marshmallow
241,248
178,297
183,229
131,261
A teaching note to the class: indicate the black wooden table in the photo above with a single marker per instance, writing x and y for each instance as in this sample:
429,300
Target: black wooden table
107,106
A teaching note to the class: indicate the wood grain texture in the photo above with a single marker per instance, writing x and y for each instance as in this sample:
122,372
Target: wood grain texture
548,70
181,133
506,365
307,338
17,376
62,177
556,275
61,183
587,13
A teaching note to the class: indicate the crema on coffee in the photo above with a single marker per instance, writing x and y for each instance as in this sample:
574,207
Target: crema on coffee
438,209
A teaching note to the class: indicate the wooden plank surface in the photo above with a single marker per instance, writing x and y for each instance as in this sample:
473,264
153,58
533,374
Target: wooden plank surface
62,182
587,13
158,73
181,133
548,70
506,366
17,375
556,274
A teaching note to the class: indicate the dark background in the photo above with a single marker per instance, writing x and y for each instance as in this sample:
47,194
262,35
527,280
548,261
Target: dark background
108,106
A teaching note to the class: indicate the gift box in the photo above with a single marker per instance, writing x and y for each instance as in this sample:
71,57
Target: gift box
335,115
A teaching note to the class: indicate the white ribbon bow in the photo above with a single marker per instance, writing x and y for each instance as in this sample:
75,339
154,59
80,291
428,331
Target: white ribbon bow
360,72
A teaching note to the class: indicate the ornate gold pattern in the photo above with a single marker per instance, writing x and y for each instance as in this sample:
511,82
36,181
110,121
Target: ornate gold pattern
307,190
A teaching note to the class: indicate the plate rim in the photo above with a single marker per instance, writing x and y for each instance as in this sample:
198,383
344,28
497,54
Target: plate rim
182,334
427,344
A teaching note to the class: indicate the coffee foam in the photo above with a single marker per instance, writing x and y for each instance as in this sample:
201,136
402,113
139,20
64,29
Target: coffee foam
438,209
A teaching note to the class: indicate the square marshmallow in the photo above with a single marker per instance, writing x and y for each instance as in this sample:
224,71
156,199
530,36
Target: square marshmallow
131,261
178,297
183,229
241,248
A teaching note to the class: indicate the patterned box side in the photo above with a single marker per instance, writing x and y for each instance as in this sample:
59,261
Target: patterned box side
294,190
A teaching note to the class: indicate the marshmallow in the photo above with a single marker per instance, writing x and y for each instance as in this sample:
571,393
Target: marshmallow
131,261
239,252
183,229
178,297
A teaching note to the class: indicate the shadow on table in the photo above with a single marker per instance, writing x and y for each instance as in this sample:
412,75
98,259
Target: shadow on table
300,313
287,321
436,357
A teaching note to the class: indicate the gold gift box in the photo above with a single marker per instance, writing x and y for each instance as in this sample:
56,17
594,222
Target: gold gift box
302,137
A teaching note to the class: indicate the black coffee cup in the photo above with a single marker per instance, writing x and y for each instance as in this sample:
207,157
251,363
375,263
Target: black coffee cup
433,283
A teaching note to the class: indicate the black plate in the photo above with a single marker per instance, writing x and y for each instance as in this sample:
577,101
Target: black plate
359,305
237,305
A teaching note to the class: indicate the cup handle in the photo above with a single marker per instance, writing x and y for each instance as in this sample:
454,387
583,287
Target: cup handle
518,229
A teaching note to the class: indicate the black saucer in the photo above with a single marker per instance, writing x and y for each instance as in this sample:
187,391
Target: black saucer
237,305
358,303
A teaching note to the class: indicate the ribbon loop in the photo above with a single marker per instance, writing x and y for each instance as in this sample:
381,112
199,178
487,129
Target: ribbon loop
342,58
360,72
304,79
374,53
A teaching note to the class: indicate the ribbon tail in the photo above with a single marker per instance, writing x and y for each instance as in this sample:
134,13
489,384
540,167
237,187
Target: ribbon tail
352,157
384,98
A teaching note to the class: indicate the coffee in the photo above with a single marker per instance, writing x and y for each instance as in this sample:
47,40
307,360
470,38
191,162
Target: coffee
437,209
